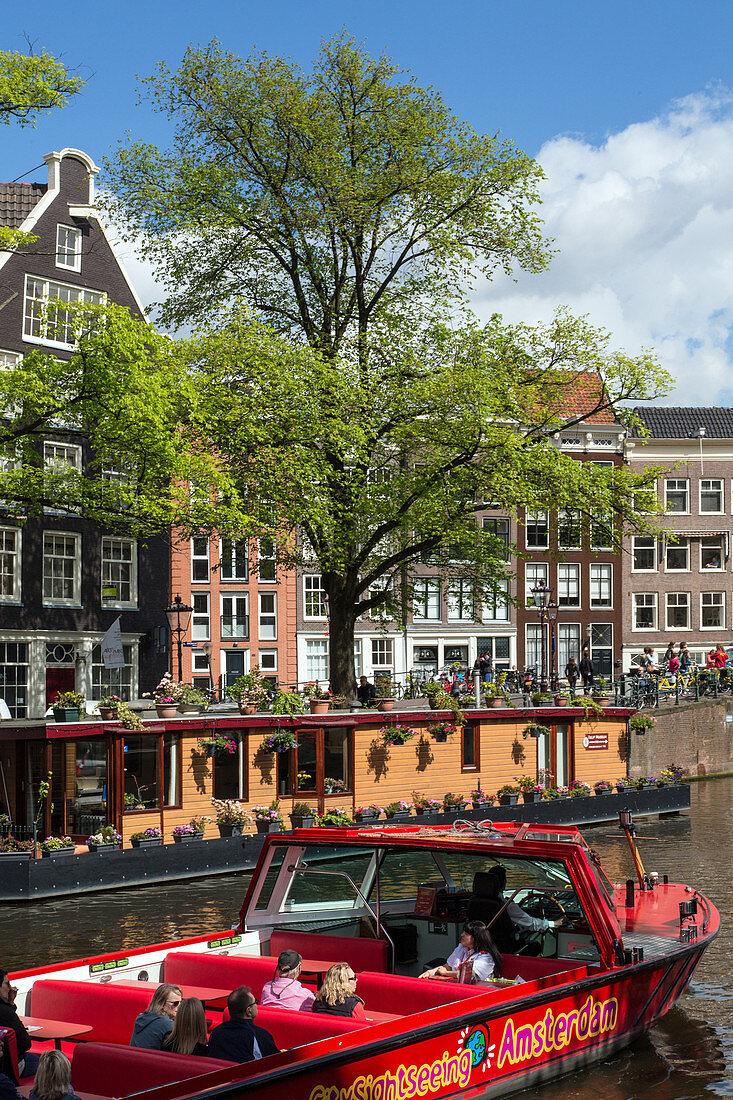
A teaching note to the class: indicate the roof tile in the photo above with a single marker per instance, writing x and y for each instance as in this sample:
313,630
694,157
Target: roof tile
17,200
683,423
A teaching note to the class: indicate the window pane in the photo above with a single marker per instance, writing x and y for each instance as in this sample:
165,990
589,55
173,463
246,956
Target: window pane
336,758
227,768
645,552
675,495
711,553
537,530
141,772
678,555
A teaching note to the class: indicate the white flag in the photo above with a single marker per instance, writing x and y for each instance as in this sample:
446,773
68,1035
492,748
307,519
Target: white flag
112,652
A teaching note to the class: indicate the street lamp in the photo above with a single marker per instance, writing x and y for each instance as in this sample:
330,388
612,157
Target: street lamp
179,617
546,609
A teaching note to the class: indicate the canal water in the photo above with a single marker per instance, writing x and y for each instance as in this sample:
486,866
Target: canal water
689,1054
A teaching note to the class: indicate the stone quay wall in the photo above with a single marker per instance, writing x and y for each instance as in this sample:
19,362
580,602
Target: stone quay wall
695,736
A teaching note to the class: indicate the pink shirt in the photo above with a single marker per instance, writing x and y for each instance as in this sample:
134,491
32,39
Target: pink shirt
288,993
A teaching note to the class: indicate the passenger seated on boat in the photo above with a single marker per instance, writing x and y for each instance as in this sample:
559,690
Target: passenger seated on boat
475,959
8,1090
525,925
27,1062
239,1039
189,1035
53,1078
284,989
154,1024
337,996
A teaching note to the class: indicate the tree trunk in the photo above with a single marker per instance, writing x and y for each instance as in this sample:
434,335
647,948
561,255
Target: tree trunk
341,621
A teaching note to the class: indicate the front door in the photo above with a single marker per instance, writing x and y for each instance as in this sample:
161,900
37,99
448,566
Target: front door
233,666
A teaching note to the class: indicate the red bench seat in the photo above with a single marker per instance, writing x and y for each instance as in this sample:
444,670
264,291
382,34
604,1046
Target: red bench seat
361,954
219,971
292,1029
111,1012
403,995
109,1069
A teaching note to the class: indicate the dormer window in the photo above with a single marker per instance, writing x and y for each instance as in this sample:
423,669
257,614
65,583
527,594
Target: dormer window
68,247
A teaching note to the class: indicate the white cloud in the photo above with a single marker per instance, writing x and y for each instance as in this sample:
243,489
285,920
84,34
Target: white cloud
644,228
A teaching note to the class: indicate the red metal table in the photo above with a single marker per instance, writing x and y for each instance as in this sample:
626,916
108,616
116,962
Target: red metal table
206,994
44,1030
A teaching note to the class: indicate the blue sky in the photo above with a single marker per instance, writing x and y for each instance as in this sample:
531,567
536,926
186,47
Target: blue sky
627,105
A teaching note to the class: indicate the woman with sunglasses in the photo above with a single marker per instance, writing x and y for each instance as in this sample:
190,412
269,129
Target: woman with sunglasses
337,996
155,1024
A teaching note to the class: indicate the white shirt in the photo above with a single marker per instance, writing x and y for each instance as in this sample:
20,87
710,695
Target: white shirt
481,961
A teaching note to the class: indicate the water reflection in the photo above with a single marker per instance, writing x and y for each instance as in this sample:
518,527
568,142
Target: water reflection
688,1055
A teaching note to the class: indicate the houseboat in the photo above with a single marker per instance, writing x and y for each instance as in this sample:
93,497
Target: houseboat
390,901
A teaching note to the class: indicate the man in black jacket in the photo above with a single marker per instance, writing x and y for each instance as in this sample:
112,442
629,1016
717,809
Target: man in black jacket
27,1062
239,1039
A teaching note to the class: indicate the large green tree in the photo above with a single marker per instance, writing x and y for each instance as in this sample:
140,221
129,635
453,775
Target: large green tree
325,228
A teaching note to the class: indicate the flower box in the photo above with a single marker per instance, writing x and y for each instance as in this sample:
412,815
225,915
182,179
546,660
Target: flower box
107,847
300,821
268,826
228,829
531,796
67,714
509,799
600,792
399,815
57,853
147,842
17,855
187,838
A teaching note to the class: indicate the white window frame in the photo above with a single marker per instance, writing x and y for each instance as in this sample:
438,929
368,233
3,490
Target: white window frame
9,359
429,601
653,548
314,597
263,632
460,601
720,482
498,610
74,452
678,482
721,604
265,655
230,599
683,600
383,656
62,249
564,643
679,545
540,571
269,558
601,568
575,519
569,577
34,317
721,554
197,558
228,555
317,663
132,562
75,599
14,558
605,524
635,596
201,617
534,518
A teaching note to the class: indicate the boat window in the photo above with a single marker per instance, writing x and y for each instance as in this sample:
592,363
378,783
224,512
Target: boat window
404,869
277,854
329,877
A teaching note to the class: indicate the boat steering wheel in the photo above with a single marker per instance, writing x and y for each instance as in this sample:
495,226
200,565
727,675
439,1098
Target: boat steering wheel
543,899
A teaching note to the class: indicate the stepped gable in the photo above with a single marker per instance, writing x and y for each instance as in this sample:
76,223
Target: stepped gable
17,200
685,423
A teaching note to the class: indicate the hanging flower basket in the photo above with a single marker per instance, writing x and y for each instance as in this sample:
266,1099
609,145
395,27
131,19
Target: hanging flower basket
282,741
441,731
397,734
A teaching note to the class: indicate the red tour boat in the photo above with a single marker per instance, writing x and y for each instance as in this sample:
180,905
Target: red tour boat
391,902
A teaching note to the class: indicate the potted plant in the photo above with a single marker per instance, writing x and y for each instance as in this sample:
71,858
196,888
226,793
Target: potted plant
550,794
231,816
397,810
441,731
280,741
433,691
107,707
423,804
534,729
319,699
333,786
106,839
508,795
640,723
645,781
151,837
287,702
334,818
600,690
5,822
166,696
541,699
453,803
579,790
193,700
562,697
268,819
217,744
563,792
385,692
672,775
479,798
530,788
603,787
302,816
623,784
10,848
368,813
187,834
248,691
54,846
68,706
397,734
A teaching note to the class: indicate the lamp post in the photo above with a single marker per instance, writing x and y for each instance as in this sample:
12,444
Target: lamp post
546,609
552,609
179,617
